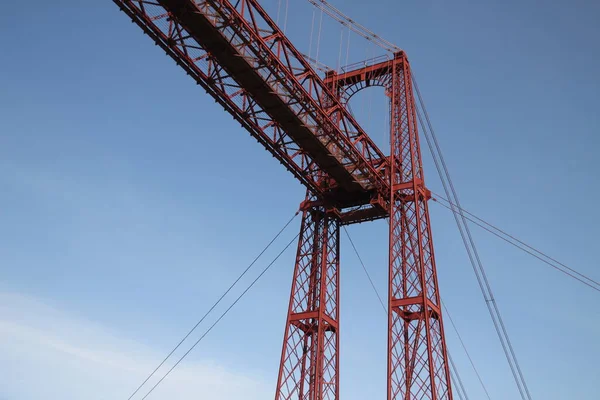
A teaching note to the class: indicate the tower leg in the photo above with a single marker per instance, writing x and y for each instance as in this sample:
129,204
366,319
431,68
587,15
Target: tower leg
309,358
417,357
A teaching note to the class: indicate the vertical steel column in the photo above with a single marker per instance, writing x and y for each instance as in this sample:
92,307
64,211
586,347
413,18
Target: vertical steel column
309,358
417,357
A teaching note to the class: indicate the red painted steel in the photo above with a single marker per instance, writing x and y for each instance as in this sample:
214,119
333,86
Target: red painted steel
309,358
241,58
417,356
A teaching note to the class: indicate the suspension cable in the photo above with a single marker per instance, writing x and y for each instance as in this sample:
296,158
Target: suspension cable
287,6
460,387
348,47
317,64
462,343
469,244
278,12
340,17
474,260
365,269
312,29
222,315
319,36
461,392
494,230
214,305
339,62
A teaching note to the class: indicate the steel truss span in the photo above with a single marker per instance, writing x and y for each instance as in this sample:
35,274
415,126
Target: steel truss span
241,58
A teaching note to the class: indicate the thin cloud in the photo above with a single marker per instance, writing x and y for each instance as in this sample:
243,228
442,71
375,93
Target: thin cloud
46,353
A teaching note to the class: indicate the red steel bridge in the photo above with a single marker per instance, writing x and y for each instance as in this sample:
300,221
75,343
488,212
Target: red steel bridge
238,54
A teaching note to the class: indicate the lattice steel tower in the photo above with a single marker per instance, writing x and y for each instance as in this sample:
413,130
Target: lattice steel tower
417,357
236,52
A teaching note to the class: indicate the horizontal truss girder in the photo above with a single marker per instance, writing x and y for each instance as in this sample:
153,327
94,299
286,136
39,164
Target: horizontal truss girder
243,60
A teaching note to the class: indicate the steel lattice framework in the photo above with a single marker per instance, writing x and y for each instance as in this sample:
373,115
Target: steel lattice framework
237,53
309,359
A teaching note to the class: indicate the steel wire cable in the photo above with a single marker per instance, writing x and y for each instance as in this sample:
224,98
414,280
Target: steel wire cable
454,371
221,316
340,17
287,6
469,244
365,269
214,305
462,343
473,258
494,230
319,36
339,62
312,29
460,388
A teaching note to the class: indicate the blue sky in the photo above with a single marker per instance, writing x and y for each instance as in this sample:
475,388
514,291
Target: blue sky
130,201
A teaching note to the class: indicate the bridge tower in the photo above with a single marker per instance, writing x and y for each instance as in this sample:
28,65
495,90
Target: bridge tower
417,366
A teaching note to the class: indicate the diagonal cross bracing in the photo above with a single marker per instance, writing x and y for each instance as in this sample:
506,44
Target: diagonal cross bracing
242,59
